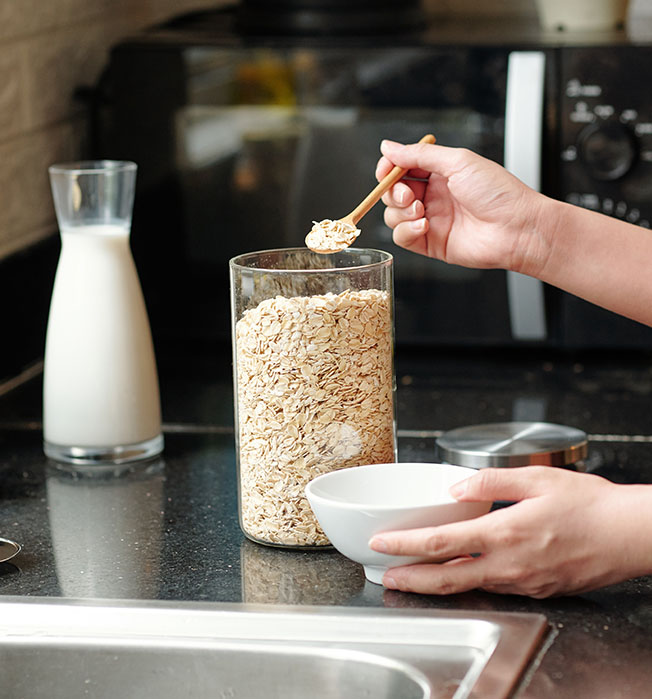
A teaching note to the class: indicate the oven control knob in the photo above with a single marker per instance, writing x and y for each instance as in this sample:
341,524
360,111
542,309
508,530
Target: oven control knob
608,150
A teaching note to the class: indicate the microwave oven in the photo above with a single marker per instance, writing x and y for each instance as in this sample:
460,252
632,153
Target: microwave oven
242,140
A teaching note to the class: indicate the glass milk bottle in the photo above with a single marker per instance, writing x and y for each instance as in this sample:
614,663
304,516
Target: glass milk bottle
100,394
314,380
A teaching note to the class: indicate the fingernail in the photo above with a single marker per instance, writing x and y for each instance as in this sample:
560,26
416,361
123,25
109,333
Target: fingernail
389,582
378,544
458,489
387,142
417,225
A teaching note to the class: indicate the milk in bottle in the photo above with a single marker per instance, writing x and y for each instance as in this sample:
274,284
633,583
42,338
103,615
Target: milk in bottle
100,395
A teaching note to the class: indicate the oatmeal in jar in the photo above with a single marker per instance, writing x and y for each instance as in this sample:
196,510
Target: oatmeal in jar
314,395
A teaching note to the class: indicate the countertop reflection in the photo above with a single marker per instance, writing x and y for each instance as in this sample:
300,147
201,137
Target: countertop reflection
107,530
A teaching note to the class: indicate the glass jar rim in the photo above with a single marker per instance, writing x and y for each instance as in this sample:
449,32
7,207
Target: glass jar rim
238,262
92,167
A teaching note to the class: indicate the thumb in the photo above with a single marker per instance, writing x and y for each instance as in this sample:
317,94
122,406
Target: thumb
503,484
442,160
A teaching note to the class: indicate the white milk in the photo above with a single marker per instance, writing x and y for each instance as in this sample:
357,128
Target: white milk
100,382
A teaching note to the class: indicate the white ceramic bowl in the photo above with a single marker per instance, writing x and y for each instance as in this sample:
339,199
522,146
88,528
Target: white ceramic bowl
353,504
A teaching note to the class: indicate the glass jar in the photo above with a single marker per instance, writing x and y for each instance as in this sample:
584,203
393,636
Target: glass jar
314,380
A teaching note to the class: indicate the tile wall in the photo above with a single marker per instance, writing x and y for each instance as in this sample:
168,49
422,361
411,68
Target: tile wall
47,49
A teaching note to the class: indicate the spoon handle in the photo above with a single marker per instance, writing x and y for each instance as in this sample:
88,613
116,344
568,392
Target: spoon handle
388,181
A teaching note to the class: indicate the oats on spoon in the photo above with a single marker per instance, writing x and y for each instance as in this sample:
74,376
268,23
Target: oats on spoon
329,236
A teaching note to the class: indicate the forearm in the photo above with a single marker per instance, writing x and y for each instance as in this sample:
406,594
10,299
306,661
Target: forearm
601,259
632,522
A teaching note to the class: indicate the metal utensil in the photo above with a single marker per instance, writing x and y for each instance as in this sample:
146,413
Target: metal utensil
8,549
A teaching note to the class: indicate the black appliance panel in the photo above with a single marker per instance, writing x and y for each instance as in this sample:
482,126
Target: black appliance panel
243,140
241,149
606,164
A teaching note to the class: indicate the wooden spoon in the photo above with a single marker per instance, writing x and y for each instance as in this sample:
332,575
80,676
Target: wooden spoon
332,236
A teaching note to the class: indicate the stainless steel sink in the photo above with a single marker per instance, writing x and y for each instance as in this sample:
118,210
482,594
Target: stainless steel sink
74,649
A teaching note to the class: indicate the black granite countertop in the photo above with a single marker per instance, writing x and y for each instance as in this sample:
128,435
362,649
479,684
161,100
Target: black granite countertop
168,529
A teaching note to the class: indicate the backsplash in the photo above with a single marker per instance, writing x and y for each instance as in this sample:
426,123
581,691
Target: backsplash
48,49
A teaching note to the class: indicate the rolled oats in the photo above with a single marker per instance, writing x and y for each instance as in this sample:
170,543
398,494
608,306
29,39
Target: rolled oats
315,394
330,236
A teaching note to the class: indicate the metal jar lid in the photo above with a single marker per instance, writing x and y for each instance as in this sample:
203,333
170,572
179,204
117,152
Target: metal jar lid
513,444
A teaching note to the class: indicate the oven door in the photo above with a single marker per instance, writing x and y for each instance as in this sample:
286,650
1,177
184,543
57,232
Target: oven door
242,148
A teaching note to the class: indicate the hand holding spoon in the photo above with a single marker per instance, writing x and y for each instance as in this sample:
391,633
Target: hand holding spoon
329,236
